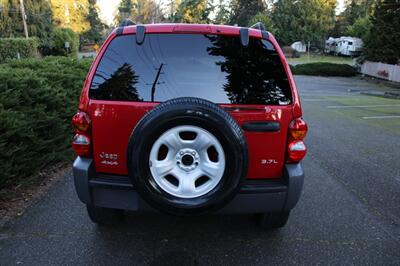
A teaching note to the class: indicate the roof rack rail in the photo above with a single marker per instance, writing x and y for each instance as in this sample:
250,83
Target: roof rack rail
258,26
127,22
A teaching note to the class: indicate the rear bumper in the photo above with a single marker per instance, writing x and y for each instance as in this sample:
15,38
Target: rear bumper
255,196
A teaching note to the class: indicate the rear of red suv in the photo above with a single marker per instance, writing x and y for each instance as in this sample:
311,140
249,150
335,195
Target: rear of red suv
187,120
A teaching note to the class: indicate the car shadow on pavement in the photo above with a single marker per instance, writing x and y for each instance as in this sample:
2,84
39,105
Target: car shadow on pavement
163,226
182,240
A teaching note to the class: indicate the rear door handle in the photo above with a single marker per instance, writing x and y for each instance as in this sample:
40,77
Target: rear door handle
261,126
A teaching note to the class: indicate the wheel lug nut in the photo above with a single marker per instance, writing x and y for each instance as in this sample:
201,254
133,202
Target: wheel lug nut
193,153
181,153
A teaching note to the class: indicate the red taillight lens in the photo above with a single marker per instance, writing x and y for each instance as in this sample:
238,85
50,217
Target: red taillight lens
296,148
298,129
81,145
81,122
81,142
296,151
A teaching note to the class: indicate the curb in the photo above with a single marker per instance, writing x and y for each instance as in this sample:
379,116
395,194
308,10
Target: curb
389,95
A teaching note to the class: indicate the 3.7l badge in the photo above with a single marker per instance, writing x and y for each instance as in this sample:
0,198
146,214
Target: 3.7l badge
268,161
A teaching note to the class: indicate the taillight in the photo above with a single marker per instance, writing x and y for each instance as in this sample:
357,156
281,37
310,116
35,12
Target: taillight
81,122
296,149
81,142
298,129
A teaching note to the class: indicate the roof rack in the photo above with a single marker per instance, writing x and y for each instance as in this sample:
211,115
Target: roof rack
244,36
258,26
127,22
140,34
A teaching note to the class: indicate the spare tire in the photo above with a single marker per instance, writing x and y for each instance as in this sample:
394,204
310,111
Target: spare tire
187,156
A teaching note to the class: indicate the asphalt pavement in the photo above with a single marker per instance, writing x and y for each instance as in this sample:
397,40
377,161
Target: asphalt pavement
349,212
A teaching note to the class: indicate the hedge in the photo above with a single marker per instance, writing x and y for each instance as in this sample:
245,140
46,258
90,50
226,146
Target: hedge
59,37
37,100
10,47
324,69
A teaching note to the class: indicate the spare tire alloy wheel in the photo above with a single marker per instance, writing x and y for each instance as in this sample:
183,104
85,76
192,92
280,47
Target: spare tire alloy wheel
187,156
187,171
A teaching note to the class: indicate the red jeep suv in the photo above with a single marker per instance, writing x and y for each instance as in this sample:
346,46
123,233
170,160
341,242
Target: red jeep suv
187,120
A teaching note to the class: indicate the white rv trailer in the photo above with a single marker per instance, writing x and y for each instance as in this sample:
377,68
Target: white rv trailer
299,47
349,46
330,45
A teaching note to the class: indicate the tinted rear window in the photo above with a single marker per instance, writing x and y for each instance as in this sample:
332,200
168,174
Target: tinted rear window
214,67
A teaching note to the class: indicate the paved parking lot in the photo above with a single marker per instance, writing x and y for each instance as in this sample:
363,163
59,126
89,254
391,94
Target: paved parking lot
349,212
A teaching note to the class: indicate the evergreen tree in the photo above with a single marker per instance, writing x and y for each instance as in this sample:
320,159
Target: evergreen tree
39,18
171,10
94,34
360,28
265,19
303,20
193,11
11,20
356,9
244,10
148,11
222,13
127,9
382,43
71,14
354,18
139,11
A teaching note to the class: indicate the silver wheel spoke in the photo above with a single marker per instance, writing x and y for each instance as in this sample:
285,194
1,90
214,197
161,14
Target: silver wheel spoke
202,142
163,168
173,141
210,169
187,185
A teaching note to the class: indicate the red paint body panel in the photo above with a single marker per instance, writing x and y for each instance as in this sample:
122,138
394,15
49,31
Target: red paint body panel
113,121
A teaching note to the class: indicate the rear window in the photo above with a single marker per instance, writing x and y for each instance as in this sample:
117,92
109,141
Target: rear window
213,67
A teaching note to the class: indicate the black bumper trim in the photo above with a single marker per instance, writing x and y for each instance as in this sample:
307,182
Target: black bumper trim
255,196
248,187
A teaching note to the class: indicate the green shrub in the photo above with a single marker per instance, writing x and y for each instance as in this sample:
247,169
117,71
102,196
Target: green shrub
324,69
37,100
10,47
58,39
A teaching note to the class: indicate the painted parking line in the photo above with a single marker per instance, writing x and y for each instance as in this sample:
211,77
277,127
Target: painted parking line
363,106
382,117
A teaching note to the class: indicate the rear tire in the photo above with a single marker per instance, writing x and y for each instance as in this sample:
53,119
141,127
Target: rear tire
104,216
273,220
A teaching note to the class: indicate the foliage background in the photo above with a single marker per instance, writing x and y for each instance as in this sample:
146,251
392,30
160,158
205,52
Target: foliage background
58,39
37,100
324,69
382,40
10,47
